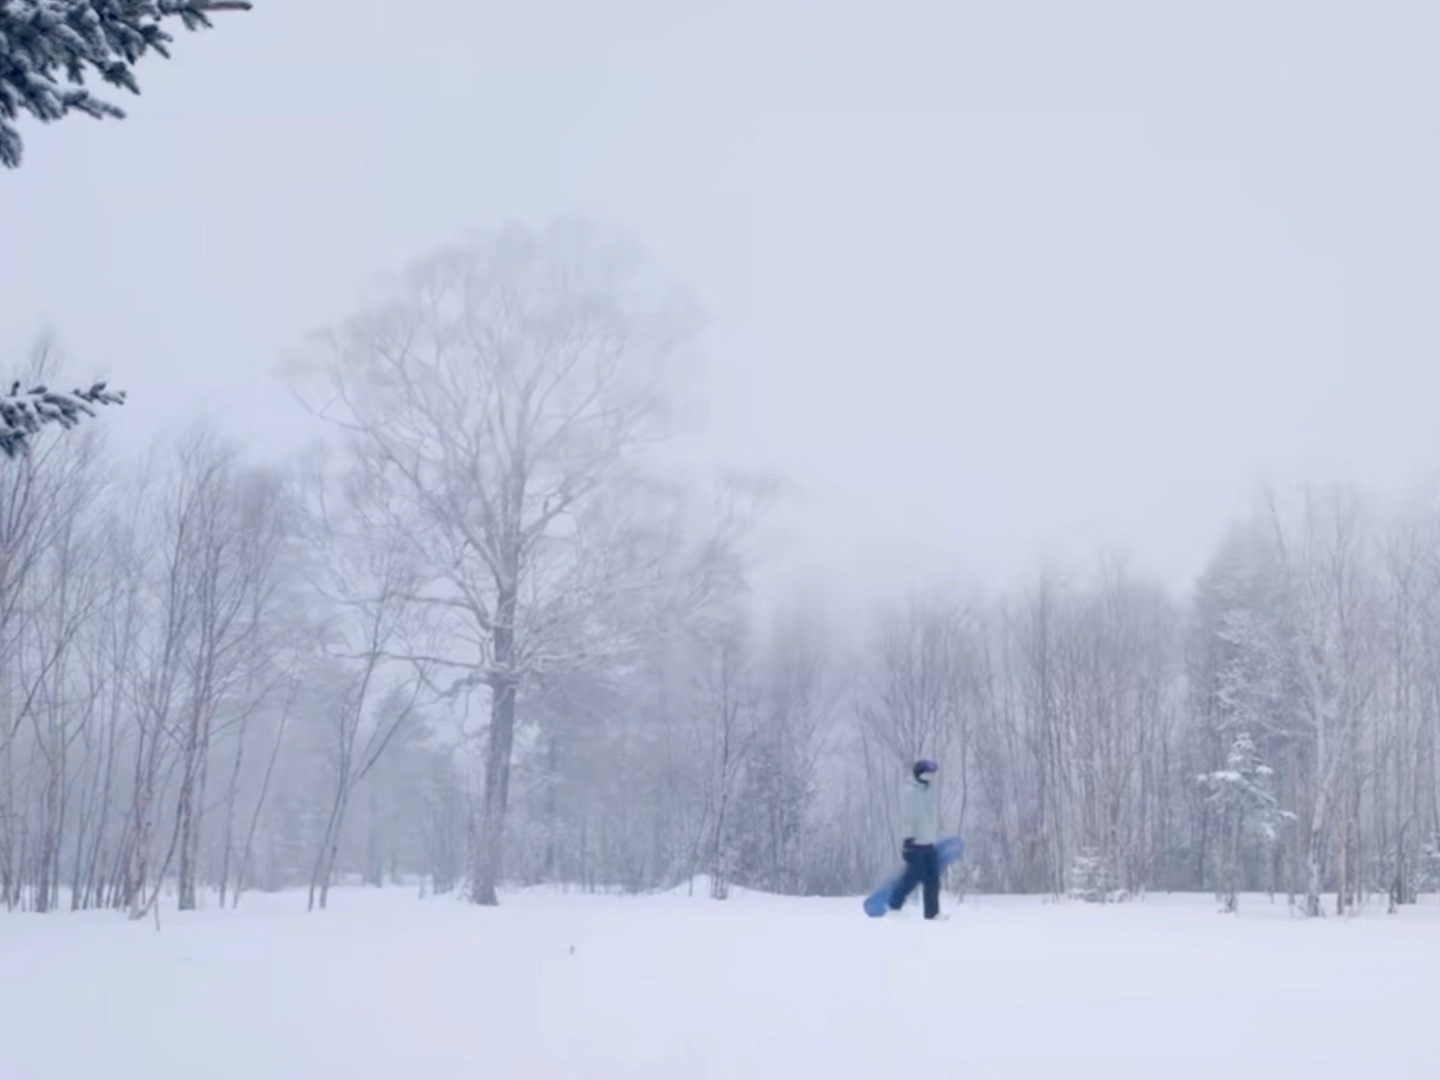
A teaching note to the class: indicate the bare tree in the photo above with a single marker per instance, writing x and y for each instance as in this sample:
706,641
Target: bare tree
1410,594
510,383
728,702
367,578
362,734
1329,606
48,591
168,550
278,697
1036,625
913,707
239,528
58,716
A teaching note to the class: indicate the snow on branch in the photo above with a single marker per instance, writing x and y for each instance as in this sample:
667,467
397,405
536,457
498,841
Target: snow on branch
48,46
22,415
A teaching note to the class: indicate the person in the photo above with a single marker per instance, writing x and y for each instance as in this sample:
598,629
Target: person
922,826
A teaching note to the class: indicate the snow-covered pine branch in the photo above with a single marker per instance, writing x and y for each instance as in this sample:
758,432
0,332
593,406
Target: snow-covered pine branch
23,414
48,46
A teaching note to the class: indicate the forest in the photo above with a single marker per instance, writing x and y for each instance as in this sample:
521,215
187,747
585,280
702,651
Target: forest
489,634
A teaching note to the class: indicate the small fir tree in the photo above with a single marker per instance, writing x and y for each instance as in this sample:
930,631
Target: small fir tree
1092,878
1247,810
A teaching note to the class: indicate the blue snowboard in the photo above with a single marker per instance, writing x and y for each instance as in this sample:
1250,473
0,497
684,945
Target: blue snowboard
948,849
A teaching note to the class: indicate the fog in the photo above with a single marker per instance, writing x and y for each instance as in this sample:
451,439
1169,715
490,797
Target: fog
991,284
1089,351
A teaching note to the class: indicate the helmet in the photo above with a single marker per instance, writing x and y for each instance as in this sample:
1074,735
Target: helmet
925,765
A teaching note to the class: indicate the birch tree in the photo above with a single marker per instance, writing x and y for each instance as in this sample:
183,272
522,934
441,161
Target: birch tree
1036,623
161,551
1403,762
49,591
239,531
58,715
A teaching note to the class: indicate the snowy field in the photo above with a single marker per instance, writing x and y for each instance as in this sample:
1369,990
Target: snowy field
550,986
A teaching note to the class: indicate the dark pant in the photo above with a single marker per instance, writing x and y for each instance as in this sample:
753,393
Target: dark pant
922,867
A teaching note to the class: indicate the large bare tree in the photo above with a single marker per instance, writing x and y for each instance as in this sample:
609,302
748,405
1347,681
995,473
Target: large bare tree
508,382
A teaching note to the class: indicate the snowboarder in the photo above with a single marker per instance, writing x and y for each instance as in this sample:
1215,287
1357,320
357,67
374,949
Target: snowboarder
922,824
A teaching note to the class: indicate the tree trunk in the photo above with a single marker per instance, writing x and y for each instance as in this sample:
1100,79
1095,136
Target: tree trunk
1313,906
144,837
1230,862
488,851
323,871
489,847
188,831
49,855
191,807
228,849
243,869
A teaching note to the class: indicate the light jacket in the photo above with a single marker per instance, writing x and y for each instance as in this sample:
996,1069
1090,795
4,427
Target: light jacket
922,812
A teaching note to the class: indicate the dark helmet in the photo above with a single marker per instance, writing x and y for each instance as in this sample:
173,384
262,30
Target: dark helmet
923,766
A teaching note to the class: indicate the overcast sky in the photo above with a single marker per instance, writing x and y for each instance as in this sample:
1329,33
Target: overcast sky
991,281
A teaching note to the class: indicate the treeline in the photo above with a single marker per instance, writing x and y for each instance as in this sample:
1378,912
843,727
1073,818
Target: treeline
489,637
1278,730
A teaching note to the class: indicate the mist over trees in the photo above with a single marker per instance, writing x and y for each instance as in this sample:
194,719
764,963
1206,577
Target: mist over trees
491,635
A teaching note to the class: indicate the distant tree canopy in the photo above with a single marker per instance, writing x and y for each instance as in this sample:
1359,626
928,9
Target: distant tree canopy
47,47
23,414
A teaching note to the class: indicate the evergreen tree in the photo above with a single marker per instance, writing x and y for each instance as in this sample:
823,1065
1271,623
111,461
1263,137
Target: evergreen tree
1092,877
1243,686
47,47
1241,793
22,415
1430,867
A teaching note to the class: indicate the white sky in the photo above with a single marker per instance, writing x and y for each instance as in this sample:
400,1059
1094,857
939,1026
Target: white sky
991,281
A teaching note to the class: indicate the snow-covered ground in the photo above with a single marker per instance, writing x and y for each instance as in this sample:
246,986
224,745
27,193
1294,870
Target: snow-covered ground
385,985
